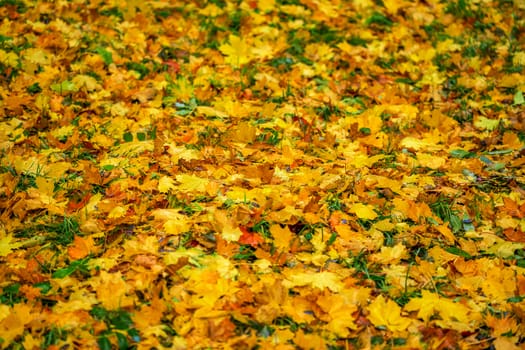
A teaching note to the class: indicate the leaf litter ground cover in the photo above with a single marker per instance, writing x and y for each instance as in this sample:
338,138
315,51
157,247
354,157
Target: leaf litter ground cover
300,174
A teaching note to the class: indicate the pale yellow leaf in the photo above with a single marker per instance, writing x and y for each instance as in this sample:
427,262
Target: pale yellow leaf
9,59
321,280
237,52
231,233
390,255
166,184
191,183
363,211
86,82
7,244
176,227
486,123
431,160
117,212
504,249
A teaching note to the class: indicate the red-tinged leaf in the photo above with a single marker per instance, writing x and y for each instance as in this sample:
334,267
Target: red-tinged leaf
73,205
250,238
173,66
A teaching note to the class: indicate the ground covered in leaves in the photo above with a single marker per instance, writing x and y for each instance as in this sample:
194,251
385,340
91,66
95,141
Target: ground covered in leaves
303,174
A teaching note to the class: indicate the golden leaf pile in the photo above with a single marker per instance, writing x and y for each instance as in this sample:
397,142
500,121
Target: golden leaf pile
262,174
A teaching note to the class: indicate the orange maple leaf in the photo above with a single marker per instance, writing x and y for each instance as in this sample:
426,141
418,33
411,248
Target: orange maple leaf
81,247
250,238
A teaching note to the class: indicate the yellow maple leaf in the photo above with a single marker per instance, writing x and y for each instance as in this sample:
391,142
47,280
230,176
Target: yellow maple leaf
504,249
176,226
7,245
211,112
321,280
386,313
237,52
10,59
415,144
117,212
425,306
486,123
172,258
112,290
282,237
78,300
392,6
221,265
87,82
166,184
14,324
63,132
36,55
231,233
431,160
266,5
132,149
191,183
390,255
363,211
4,311
339,313
452,315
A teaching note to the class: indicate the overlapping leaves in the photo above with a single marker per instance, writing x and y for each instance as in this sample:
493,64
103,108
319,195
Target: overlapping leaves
272,174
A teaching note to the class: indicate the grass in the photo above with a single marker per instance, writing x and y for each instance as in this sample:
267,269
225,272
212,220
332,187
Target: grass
57,231
444,209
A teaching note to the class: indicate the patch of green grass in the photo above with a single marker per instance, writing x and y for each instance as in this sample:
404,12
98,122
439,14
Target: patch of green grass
245,328
323,33
444,209
287,321
235,21
106,55
112,12
357,41
59,233
26,180
34,88
269,136
79,266
140,68
296,47
20,6
385,63
163,13
246,253
53,336
188,207
327,111
11,294
461,9
389,239
305,230
262,227
282,64
210,136
435,31
334,203
119,324
360,264
477,204
442,61
379,19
